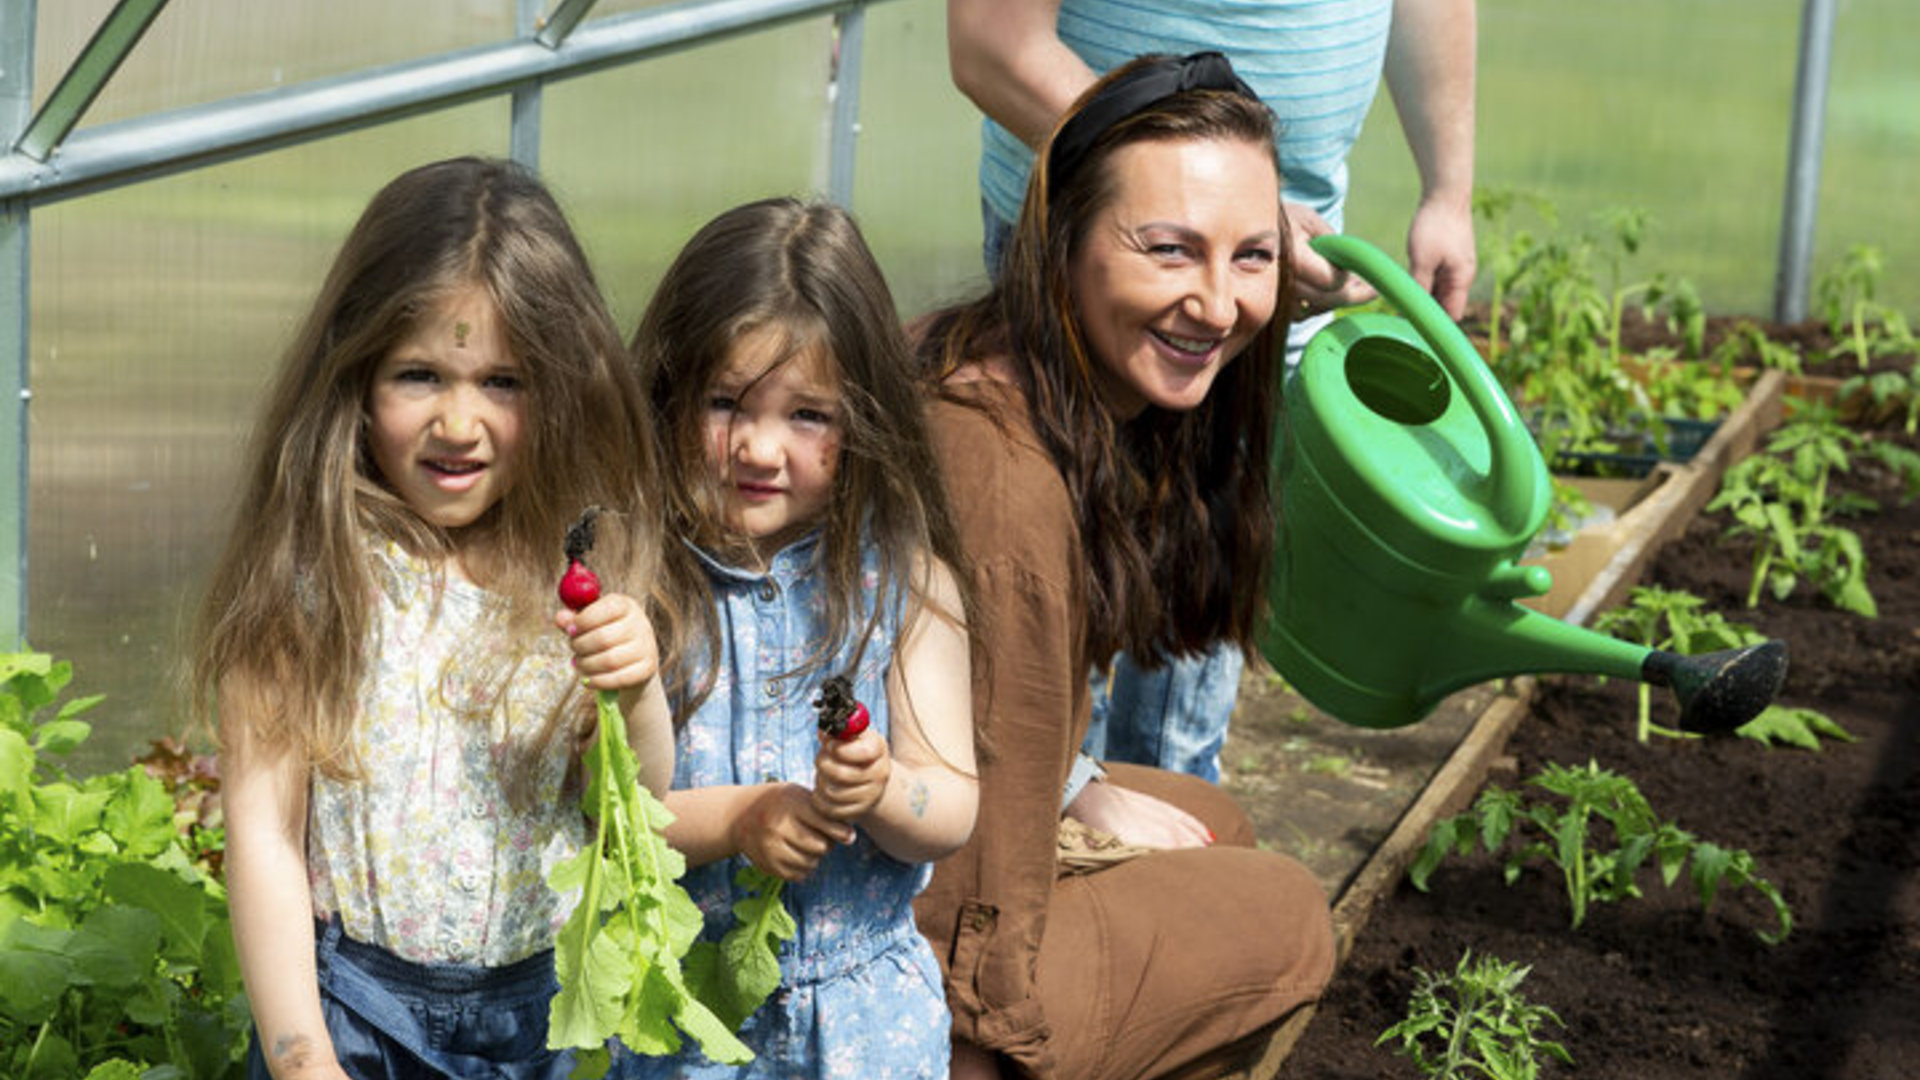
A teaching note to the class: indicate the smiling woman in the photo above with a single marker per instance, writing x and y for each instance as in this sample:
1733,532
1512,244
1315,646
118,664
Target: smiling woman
1177,273
1104,417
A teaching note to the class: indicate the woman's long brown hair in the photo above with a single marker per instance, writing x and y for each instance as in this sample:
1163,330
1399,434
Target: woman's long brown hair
292,598
1176,510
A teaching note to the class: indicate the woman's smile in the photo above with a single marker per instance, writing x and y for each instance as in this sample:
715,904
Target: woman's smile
1179,270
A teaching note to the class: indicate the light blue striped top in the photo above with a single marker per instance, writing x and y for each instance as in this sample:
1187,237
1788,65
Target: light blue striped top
1316,63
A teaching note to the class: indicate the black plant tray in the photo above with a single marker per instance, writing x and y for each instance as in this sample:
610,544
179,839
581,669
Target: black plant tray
1638,452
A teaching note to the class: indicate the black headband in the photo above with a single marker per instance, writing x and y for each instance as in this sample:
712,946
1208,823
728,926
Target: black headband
1123,97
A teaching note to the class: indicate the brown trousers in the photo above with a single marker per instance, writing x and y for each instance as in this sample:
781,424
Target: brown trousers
1176,963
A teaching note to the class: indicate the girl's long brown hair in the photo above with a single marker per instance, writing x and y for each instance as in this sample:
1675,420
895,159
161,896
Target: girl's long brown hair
1175,508
292,597
800,270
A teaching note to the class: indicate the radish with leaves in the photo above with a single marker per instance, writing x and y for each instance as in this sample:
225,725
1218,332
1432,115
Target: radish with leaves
619,956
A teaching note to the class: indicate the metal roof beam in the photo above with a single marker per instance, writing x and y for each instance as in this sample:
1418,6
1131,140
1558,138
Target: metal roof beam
111,43
563,20
110,155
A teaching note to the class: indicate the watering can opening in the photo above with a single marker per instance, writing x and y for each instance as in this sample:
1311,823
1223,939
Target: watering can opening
1398,380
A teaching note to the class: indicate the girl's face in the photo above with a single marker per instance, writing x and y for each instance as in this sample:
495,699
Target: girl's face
773,437
447,410
1179,271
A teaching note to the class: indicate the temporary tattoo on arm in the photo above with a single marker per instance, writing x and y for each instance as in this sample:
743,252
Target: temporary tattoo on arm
292,1050
917,797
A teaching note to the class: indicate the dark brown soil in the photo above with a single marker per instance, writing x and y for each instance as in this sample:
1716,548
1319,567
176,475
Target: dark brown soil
1654,987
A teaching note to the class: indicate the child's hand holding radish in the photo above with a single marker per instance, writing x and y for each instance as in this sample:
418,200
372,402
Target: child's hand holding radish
613,643
612,640
854,763
615,652
850,776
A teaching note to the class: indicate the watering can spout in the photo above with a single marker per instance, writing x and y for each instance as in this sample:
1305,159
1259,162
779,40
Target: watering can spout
1409,492
1720,691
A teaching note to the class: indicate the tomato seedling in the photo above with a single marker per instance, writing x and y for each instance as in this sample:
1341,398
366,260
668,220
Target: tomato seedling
1480,1022
1563,833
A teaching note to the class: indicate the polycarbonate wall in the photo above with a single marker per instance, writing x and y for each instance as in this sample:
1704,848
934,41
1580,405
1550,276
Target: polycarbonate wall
159,309
1683,108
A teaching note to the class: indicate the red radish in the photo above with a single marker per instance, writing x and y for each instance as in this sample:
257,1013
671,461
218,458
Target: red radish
856,723
840,715
580,586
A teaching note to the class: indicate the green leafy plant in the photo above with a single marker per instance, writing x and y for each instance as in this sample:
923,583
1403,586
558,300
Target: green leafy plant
1780,497
1566,511
1887,395
116,956
1597,828
1673,300
1699,389
1506,252
1678,621
1674,620
618,956
627,958
192,779
1475,1022
1902,462
1564,365
1746,342
1847,296
1793,726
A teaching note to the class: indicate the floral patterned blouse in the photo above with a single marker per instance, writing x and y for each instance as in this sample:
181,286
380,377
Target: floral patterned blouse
423,855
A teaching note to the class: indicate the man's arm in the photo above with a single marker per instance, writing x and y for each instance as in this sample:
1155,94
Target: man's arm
1007,57
1430,73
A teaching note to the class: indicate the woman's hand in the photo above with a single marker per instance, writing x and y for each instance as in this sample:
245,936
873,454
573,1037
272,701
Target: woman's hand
850,777
782,833
613,642
1137,818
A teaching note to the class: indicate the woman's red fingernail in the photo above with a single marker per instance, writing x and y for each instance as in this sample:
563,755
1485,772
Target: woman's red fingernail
1210,837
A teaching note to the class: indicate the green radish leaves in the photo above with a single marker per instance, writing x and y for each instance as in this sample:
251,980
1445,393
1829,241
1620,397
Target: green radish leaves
737,974
618,958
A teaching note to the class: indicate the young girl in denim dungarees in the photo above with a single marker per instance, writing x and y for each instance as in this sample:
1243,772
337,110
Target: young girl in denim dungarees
804,482
398,711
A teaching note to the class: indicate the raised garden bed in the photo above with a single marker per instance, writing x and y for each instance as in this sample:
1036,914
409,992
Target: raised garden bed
1653,987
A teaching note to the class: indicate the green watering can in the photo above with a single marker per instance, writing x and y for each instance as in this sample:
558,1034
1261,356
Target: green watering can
1409,491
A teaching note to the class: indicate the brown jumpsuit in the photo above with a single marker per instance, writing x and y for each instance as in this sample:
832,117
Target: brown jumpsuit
1175,963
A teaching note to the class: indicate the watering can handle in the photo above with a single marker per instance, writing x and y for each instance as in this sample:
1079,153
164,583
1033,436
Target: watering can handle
1514,477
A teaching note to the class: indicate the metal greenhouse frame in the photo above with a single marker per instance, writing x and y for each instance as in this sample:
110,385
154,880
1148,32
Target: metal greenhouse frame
46,160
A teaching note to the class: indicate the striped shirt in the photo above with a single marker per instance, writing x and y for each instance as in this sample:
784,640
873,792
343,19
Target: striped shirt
1316,63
